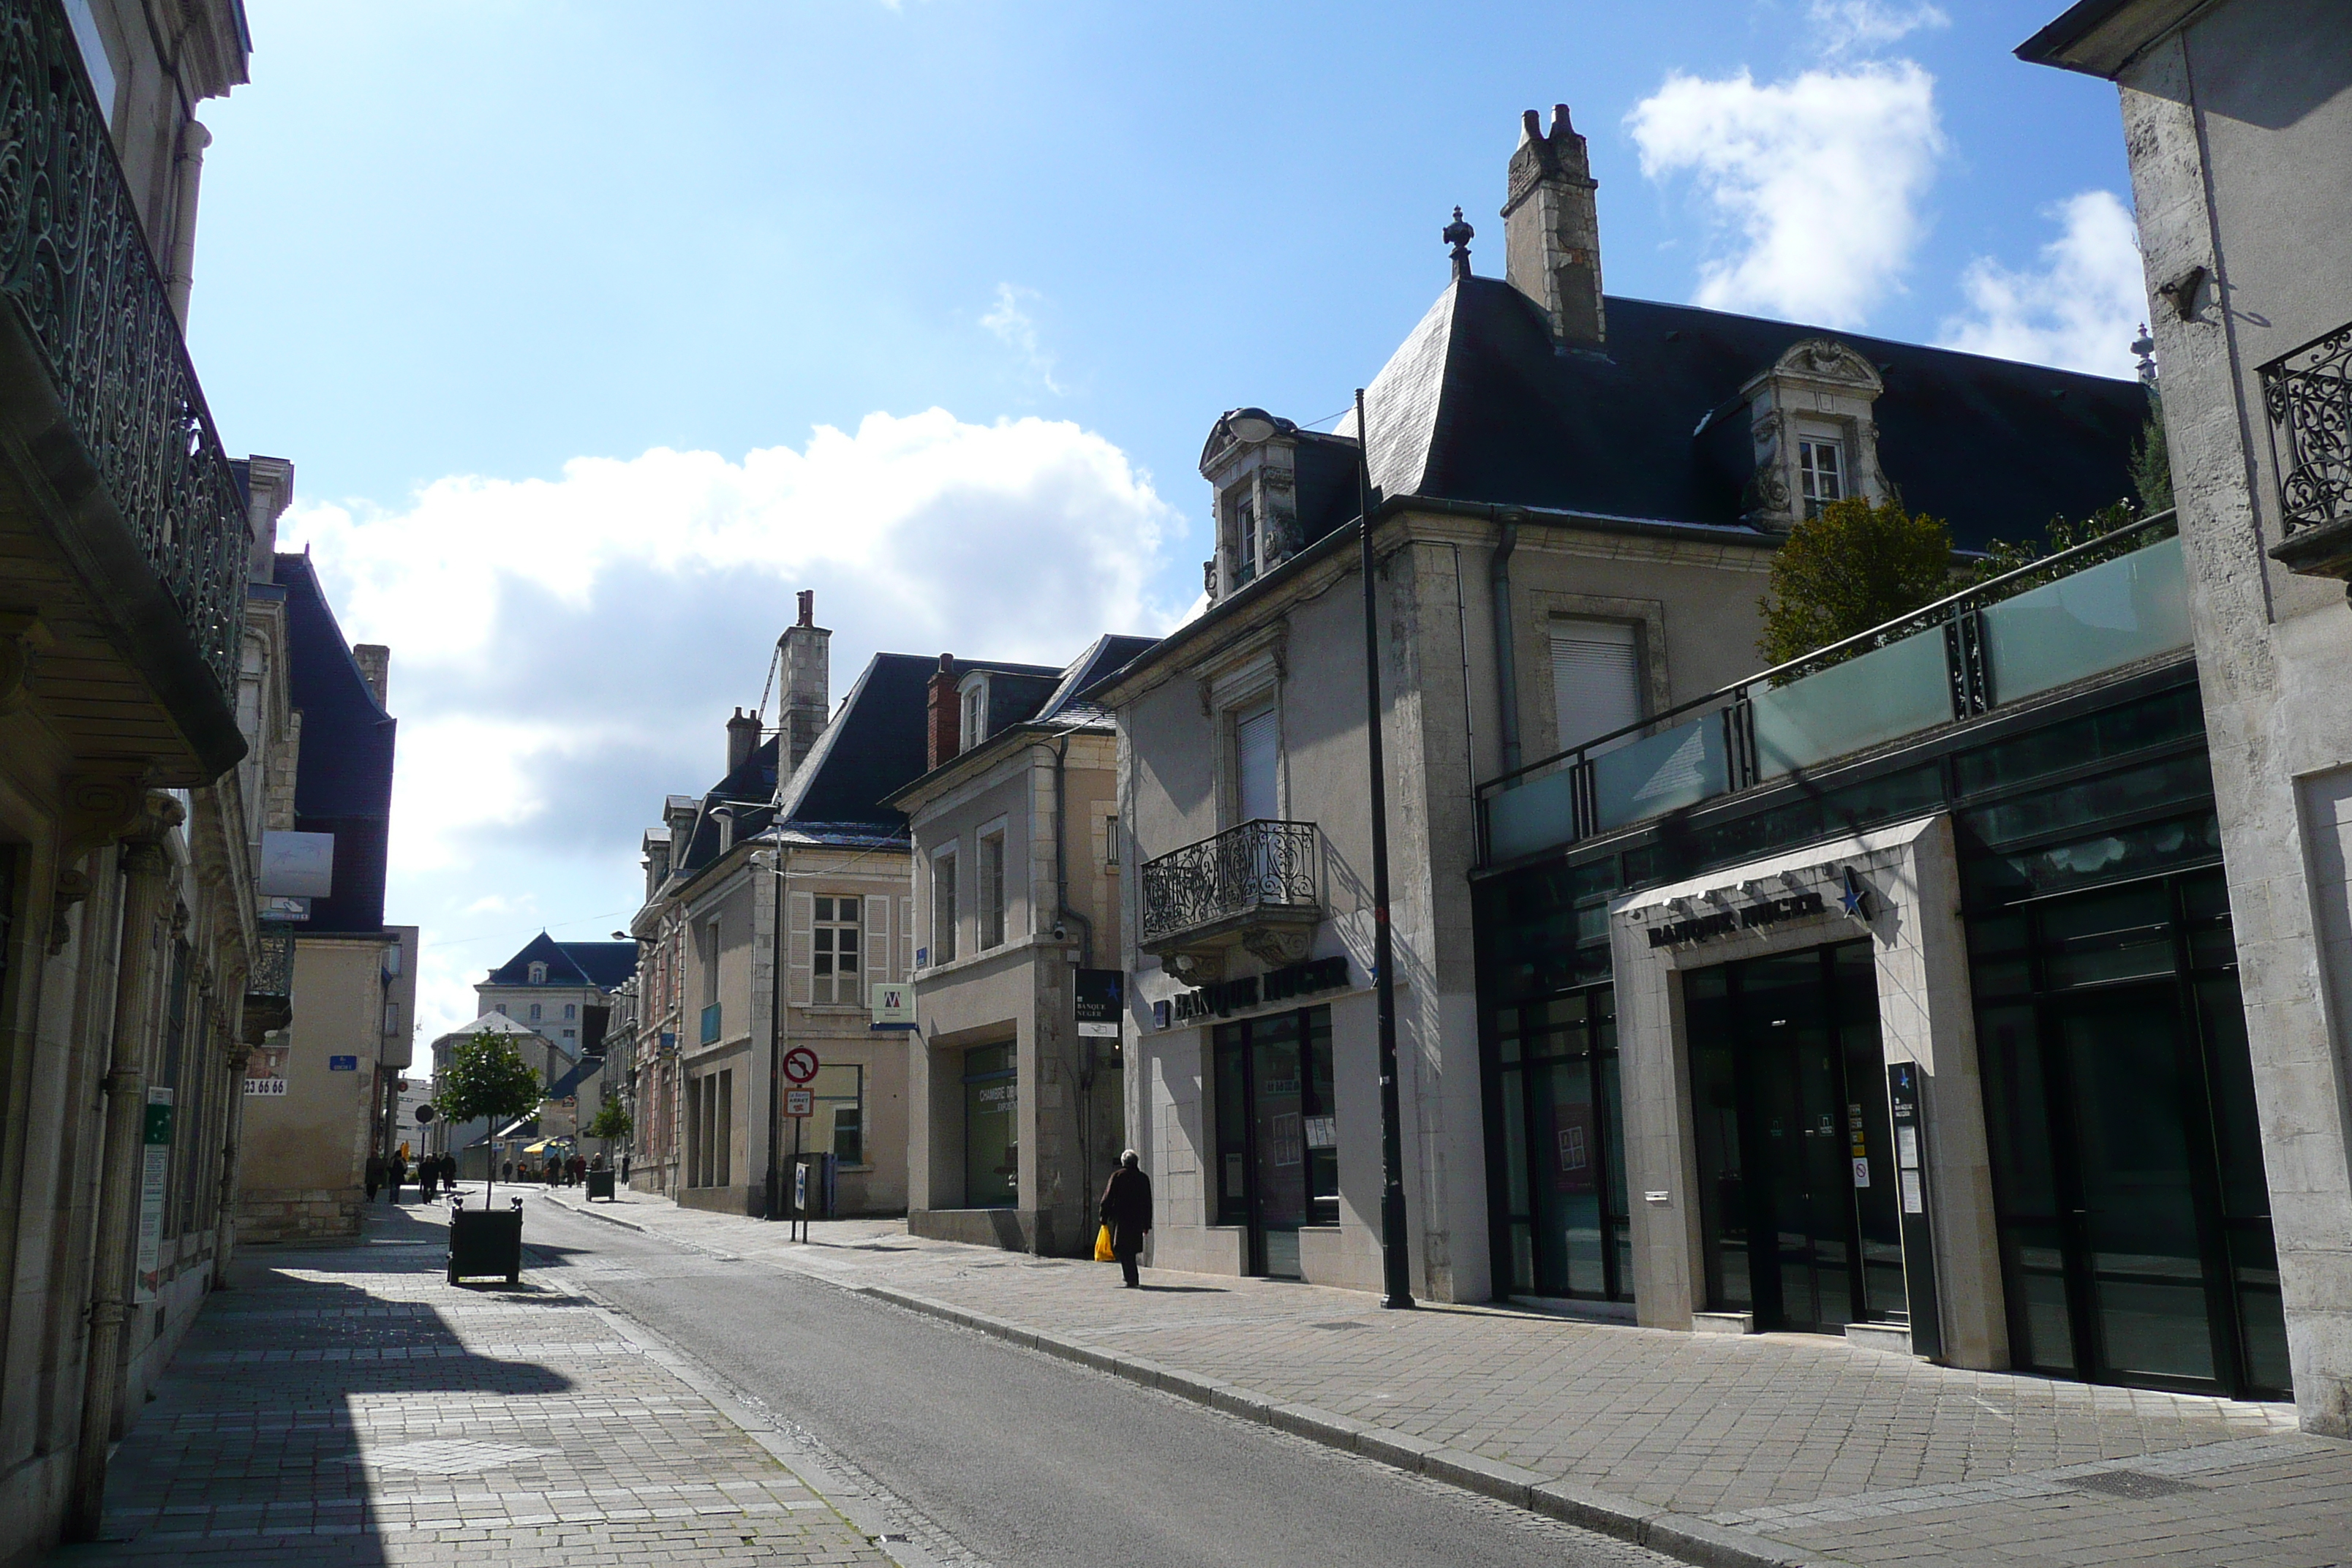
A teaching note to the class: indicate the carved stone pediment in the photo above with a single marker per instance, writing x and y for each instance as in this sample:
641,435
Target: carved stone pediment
1826,359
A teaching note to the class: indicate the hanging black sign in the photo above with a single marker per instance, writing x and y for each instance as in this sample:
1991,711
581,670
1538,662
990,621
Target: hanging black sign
1100,994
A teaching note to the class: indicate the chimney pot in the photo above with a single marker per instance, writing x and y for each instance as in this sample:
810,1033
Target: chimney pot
808,606
1551,229
743,739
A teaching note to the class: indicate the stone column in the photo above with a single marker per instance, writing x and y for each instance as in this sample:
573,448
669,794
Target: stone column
145,869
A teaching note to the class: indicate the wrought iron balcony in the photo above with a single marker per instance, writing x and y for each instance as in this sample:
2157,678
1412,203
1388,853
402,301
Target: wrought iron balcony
2308,395
159,540
1248,885
270,982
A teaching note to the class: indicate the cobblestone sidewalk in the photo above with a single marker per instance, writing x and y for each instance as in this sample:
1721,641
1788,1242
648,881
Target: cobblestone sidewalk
348,1406
1720,1448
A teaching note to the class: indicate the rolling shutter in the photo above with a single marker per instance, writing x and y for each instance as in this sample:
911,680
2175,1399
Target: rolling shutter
1258,749
1595,678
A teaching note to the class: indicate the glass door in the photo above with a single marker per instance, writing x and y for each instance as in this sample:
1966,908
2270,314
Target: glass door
1278,1144
1562,1148
1796,1189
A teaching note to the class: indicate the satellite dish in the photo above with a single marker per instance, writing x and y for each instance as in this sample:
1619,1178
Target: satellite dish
425,1113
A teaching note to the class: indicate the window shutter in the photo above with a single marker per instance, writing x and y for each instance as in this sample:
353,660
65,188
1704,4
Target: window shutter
878,944
906,939
797,945
1595,678
1258,749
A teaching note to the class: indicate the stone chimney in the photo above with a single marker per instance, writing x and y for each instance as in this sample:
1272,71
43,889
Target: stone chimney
946,726
375,660
1551,229
743,739
807,700
270,490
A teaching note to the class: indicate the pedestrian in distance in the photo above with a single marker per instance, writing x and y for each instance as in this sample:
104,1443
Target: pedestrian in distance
398,1172
625,1170
508,1172
375,1169
1127,1210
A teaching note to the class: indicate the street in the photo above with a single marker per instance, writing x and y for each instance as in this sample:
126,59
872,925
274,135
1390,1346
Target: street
1002,1454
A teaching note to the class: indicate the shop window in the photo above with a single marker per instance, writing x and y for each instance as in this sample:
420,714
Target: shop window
837,968
1565,1230
991,1135
839,1124
1596,678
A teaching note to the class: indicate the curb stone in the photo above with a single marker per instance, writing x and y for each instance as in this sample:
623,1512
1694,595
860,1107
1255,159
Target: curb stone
1604,1513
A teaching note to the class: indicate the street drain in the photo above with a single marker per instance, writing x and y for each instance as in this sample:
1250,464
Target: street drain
2132,1484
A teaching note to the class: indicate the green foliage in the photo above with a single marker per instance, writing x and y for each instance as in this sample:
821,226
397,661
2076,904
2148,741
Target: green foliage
486,1076
2003,557
1852,567
2152,459
610,1121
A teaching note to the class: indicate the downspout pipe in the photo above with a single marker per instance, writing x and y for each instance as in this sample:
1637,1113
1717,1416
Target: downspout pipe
1063,914
1506,665
145,868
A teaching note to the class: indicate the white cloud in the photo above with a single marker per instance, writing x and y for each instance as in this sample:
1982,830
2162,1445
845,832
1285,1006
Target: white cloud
1818,179
2080,309
566,651
1010,320
1847,26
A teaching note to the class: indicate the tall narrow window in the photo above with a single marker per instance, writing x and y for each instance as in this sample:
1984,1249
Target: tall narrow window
1595,678
1257,751
1245,541
992,892
1110,843
943,907
1820,463
837,956
975,714
709,955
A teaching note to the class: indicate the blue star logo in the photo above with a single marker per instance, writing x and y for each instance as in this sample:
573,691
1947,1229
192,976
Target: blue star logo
1856,897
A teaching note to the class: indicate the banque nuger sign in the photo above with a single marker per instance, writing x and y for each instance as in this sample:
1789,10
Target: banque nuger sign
1722,922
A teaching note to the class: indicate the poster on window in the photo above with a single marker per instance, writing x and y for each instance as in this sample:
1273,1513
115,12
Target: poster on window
154,1174
1576,1149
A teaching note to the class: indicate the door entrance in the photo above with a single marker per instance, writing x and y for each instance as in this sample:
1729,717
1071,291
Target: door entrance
1796,1191
1278,1144
2127,1164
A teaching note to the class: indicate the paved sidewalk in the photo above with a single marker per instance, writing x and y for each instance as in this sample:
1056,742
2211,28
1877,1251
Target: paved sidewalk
1769,1448
348,1406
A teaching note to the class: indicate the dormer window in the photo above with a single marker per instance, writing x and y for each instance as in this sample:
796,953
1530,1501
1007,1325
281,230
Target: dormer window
538,977
1821,471
974,709
1245,541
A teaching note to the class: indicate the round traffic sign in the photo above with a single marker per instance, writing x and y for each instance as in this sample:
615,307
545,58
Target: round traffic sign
800,1064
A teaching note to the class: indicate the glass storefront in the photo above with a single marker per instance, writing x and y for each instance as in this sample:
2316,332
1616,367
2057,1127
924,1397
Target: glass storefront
1563,1147
991,1129
1277,1133
2127,1162
1797,1207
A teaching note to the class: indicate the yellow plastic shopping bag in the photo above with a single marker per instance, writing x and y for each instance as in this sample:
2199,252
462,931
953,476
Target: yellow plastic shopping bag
1103,1254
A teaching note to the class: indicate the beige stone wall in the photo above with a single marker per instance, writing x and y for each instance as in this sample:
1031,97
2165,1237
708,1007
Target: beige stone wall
305,1152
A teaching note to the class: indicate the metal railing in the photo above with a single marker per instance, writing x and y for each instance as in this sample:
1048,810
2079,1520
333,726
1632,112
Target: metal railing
2308,397
2071,614
1259,865
74,264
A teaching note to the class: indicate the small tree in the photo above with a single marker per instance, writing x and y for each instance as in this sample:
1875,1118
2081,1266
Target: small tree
2152,459
609,1122
1851,568
2003,557
486,1076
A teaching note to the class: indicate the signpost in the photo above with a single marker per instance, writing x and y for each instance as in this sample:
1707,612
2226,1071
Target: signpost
800,1104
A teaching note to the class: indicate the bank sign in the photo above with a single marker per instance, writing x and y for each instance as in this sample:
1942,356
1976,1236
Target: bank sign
1722,922
1230,996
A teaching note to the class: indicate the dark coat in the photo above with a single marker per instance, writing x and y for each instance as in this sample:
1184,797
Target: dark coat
1127,1209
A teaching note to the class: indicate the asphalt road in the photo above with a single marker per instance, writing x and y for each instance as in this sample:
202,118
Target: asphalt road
1019,1460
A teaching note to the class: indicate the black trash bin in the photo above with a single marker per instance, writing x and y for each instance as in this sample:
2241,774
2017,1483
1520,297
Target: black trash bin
600,1186
486,1241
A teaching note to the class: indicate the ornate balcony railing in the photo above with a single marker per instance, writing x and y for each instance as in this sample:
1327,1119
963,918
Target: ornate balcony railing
2308,395
75,265
1245,871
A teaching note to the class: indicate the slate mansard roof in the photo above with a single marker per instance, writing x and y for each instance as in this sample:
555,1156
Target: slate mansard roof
602,964
1479,405
343,773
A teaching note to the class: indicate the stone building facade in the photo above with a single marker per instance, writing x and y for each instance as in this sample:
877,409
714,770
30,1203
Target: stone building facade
2238,119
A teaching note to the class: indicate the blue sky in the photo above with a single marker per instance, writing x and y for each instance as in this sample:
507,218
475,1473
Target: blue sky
596,330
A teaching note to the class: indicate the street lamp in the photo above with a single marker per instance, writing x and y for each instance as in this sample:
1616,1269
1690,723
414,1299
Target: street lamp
1396,1270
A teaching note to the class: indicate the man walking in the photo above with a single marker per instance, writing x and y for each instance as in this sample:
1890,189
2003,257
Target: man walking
375,1169
1127,1209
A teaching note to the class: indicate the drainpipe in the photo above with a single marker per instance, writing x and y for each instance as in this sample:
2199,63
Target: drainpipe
1507,669
1063,914
189,175
143,868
